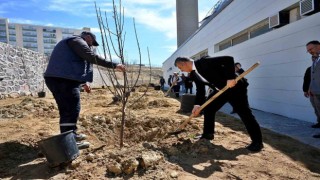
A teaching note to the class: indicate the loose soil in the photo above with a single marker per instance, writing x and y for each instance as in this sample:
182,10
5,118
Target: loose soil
147,152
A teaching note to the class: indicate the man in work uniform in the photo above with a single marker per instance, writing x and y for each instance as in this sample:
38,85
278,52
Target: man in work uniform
69,67
218,72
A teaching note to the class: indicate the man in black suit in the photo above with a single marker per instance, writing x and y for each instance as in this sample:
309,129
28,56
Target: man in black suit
217,72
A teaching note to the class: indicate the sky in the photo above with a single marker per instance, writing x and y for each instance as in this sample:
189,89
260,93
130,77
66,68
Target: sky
155,21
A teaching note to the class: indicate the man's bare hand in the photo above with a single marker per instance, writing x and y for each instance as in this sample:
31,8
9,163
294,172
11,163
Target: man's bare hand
231,83
87,88
121,67
196,110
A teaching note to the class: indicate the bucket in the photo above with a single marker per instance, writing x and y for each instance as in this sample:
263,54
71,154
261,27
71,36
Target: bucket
187,102
157,87
60,148
41,94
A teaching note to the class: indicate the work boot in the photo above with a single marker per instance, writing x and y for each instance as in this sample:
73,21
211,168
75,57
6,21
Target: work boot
83,145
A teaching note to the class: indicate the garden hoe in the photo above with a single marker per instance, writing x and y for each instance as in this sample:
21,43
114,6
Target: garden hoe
183,125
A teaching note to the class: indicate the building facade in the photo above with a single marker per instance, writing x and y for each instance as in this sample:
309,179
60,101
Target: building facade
41,39
273,32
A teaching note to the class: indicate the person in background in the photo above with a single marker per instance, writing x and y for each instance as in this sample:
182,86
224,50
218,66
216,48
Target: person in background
182,83
176,81
306,92
188,83
169,81
313,48
238,69
162,82
70,67
218,72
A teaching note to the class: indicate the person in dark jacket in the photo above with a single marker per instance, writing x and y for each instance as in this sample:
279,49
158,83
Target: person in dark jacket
162,82
188,83
69,67
169,81
306,82
218,72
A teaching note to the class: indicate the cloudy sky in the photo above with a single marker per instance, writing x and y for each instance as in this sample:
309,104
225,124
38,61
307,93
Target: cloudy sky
155,21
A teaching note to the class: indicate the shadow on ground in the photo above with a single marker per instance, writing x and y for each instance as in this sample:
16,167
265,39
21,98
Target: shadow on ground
17,162
287,145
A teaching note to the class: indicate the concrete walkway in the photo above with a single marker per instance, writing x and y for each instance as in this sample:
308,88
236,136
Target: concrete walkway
296,129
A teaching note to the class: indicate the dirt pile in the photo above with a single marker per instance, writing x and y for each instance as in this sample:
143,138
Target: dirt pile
147,152
28,106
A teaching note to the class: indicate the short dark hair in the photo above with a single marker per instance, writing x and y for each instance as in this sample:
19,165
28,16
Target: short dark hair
181,59
314,42
235,64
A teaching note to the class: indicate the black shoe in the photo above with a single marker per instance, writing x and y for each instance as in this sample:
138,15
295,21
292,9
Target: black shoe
316,125
204,136
207,136
255,147
316,136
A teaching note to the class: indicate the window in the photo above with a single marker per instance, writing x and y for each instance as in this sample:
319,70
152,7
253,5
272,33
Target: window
29,33
294,15
200,54
67,31
239,39
224,45
12,38
3,40
12,32
261,30
2,21
29,39
3,34
12,26
29,28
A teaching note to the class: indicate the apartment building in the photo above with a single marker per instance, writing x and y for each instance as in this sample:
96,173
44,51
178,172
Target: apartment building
34,37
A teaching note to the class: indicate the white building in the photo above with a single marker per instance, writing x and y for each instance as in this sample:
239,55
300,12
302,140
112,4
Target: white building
273,32
34,37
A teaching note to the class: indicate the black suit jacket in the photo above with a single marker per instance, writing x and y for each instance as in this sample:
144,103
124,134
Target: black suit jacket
216,70
306,80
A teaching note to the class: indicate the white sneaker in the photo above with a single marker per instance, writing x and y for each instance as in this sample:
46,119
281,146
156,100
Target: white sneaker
80,137
83,145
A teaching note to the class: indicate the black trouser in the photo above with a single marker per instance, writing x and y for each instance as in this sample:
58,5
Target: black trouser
187,88
176,89
237,97
67,95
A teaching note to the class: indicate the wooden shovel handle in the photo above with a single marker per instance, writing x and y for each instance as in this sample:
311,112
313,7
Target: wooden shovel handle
182,126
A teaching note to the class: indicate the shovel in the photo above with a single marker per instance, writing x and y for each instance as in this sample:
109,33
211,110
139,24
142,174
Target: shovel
183,125
169,90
